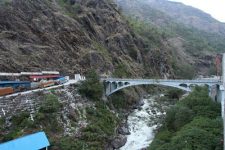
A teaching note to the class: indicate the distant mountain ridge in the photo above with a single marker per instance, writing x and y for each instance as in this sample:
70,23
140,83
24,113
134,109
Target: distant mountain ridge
189,16
185,14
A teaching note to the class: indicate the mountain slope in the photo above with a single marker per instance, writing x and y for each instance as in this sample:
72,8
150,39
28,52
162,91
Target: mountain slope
190,44
70,36
75,36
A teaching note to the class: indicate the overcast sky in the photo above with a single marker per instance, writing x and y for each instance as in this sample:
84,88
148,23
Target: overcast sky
216,8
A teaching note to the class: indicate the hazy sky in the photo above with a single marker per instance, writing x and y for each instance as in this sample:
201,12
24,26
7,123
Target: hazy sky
216,8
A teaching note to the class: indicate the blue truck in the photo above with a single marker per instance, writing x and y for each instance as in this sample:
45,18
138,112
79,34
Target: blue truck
61,80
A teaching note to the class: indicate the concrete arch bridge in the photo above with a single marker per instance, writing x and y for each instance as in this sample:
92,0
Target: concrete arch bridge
115,84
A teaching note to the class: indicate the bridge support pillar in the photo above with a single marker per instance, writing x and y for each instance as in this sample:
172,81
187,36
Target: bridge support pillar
213,91
107,88
220,98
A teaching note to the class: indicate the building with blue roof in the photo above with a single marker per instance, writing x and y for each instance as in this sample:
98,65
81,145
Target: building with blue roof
34,141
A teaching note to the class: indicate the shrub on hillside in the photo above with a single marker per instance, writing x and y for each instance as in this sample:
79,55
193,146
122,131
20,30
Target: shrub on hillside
177,117
193,124
50,104
174,93
91,87
201,103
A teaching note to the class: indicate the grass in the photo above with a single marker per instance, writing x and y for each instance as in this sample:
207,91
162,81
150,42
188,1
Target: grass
5,2
101,49
69,8
121,71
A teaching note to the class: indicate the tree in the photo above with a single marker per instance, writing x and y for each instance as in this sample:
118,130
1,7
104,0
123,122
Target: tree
193,124
178,117
91,87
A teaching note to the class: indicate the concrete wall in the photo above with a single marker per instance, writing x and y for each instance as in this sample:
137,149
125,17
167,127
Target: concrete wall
33,101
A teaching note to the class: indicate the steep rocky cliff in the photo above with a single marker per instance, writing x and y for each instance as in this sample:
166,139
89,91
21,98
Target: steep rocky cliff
194,36
70,36
73,36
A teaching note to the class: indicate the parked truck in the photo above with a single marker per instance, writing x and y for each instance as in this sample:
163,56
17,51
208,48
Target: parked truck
61,80
6,90
46,84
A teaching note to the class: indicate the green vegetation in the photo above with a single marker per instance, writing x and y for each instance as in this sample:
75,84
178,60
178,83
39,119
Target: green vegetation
19,122
199,41
193,124
91,87
212,70
5,2
70,8
69,143
184,71
174,93
45,118
50,104
96,134
118,100
102,128
101,49
151,35
121,71
196,41
153,39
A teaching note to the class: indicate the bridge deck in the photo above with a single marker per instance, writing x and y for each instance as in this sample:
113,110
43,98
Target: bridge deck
162,80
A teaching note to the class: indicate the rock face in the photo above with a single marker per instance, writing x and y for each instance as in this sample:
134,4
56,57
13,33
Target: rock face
188,29
119,141
124,129
67,35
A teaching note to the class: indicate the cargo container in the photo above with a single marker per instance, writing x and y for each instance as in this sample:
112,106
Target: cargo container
46,84
45,77
61,80
6,91
15,84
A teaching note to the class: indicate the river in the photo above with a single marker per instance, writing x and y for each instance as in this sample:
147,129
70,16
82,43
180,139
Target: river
143,122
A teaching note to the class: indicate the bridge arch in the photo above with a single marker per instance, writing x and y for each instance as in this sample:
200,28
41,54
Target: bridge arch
114,85
125,85
183,85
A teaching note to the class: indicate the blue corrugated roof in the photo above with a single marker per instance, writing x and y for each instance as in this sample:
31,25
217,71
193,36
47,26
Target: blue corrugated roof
30,142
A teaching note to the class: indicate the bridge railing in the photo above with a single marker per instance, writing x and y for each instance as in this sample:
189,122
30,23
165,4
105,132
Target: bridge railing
162,80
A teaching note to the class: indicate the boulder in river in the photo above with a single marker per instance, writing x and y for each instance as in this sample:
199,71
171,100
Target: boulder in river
119,141
124,130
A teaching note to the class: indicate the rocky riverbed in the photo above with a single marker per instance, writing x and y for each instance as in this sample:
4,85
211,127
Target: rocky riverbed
143,122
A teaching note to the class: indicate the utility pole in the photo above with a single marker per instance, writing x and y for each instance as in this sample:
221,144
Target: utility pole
222,101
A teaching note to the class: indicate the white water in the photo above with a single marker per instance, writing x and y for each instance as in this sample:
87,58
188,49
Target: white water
142,124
